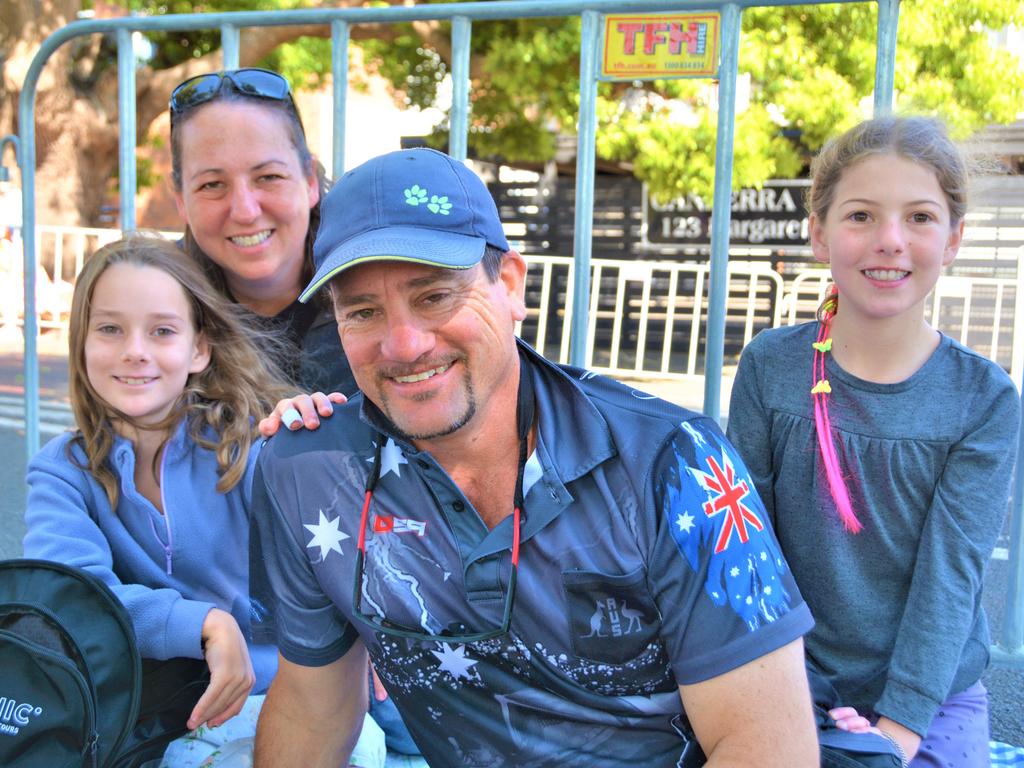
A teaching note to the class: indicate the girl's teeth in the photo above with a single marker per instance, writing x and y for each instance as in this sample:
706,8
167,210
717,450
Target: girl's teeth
247,241
135,380
886,274
421,376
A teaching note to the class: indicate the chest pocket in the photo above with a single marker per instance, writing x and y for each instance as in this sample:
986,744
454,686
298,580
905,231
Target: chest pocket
612,618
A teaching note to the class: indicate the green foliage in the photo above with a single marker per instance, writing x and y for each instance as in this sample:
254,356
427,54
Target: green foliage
806,73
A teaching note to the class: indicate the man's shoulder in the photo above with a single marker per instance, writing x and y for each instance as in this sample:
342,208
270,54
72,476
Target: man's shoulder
343,431
639,423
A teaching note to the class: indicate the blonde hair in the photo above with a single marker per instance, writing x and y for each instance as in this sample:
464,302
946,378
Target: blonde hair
236,389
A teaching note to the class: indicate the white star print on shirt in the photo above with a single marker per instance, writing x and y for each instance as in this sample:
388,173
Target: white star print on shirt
391,457
685,522
454,661
326,535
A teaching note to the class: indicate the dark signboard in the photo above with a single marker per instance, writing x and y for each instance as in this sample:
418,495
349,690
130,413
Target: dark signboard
771,216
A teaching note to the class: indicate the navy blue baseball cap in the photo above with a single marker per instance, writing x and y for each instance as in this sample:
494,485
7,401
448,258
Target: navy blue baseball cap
415,205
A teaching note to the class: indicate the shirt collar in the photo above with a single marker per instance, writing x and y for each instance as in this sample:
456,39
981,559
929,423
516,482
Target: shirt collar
562,409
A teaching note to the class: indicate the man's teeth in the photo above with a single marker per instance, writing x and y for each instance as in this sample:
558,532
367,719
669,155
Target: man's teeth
247,241
422,376
135,379
886,274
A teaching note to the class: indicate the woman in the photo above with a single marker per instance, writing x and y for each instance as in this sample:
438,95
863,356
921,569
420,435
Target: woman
249,192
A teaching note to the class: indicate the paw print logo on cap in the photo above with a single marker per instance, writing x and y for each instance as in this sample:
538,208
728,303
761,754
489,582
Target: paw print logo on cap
415,195
439,205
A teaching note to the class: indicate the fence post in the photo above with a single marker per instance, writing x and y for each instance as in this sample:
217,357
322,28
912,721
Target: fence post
885,55
339,92
584,224
721,207
458,121
230,43
126,179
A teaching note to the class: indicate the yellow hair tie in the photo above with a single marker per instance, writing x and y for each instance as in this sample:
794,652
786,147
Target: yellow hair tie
823,346
821,388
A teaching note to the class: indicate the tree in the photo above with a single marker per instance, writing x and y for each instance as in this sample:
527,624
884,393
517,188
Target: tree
76,104
810,71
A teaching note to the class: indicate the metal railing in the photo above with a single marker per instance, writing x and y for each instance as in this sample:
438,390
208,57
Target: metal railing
462,16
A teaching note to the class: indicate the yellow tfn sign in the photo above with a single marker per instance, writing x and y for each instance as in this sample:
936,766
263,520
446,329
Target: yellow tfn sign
642,47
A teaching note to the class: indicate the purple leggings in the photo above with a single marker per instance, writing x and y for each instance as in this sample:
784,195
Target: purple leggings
958,736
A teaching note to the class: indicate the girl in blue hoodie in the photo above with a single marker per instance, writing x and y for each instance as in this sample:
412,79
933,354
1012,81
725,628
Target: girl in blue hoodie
151,492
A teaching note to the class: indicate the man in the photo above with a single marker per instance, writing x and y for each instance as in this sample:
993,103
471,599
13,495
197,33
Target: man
547,568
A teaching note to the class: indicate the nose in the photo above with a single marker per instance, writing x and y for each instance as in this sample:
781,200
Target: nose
135,348
892,236
406,339
245,205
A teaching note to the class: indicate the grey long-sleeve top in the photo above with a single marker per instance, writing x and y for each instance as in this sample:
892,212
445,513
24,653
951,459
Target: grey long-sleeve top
900,624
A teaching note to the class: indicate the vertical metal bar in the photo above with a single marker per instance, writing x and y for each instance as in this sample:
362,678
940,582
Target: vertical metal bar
885,55
26,154
126,119
458,122
583,229
1011,639
714,349
339,89
230,43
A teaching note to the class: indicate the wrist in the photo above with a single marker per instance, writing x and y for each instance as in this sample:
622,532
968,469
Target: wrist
900,752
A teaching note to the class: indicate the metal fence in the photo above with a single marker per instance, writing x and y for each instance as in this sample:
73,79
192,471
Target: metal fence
714,315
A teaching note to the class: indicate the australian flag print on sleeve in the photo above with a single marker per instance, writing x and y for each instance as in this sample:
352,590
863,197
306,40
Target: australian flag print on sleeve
743,600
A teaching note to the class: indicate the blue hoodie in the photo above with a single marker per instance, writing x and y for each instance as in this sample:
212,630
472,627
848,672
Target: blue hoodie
168,569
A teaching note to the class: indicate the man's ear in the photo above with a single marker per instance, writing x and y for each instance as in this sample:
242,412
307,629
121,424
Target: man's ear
513,277
956,238
819,243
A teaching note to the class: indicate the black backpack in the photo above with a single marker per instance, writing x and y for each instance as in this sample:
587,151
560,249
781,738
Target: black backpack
74,691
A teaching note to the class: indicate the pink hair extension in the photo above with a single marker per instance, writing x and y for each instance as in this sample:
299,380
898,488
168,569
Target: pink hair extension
823,425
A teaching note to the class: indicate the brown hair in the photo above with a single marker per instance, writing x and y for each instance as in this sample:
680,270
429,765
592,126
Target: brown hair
921,139
286,111
237,388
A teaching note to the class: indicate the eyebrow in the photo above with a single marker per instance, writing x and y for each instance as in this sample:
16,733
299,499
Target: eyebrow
442,275
867,201
101,312
257,167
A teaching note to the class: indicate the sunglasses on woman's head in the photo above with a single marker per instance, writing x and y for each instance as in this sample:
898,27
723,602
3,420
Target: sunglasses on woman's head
258,83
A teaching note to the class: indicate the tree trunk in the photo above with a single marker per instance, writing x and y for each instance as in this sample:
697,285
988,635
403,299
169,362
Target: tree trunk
76,102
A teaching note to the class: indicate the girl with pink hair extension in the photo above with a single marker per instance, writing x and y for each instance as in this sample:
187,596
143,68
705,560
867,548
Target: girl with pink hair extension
887,475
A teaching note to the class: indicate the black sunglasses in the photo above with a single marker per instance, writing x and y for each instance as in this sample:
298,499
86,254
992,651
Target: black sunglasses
454,634
258,83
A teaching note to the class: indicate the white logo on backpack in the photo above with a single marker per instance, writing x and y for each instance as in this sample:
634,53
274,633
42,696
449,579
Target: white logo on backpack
19,713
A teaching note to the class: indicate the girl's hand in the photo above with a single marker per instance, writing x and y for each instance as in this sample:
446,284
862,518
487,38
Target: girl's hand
300,411
849,719
905,737
231,675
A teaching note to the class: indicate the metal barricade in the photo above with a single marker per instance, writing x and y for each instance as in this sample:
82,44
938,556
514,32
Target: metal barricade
462,16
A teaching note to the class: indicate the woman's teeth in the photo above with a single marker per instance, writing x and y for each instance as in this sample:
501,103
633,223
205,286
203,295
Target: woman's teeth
247,241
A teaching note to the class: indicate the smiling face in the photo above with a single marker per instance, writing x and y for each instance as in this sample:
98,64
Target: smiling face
886,237
433,348
247,198
141,343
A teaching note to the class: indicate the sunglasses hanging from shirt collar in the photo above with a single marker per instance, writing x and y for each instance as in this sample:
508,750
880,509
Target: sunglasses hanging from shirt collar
525,408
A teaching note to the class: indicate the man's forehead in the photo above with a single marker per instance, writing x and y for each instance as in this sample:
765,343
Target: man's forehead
365,278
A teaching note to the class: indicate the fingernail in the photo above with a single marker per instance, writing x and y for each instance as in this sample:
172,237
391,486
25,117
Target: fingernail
291,417
842,726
